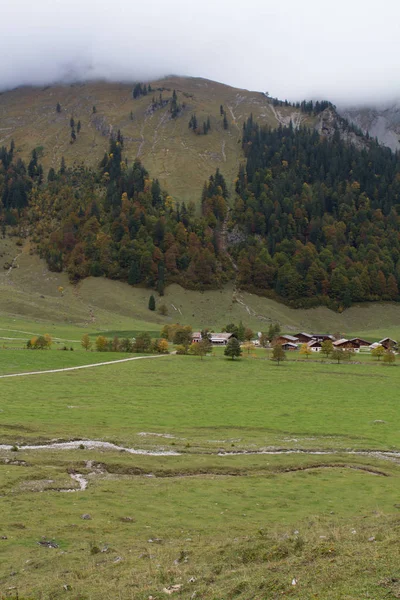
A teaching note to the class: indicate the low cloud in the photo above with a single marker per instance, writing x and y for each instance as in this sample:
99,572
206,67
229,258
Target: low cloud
347,51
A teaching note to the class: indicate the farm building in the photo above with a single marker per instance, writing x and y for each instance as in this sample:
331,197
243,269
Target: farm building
315,346
289,346
196,337
344,344
321,337
360,341
221,339
304,338
284,339
387,343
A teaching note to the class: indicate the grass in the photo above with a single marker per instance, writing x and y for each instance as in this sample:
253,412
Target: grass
235,526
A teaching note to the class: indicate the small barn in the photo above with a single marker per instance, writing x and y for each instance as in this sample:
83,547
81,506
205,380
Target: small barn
304,338
315,346
285,339
344,344
196,337
289,346
388,343
220,339
321,337
360,341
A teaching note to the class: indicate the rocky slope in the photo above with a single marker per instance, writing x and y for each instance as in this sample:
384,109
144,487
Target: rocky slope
380,122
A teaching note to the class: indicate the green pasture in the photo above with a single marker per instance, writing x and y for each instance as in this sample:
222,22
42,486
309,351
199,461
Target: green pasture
206,404
221,525
199,524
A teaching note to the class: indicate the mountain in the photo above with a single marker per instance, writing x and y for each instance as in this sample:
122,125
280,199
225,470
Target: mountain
382,123
179,158
293,203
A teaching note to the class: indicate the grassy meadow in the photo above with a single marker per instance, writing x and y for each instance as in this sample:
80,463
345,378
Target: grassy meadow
279,474
215,520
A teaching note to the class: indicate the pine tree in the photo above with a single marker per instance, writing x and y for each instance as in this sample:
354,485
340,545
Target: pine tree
73,136
58,107
221,110
152,303
225,122
94,109
72,123
233,348
208,124
62,167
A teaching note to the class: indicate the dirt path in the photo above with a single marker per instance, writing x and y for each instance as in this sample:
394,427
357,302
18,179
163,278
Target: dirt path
110,362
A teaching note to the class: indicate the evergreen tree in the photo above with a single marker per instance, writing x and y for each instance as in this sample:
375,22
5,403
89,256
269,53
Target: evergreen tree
221,110
72,122
233,349
225,122
152,303
94,109
134,275
58,107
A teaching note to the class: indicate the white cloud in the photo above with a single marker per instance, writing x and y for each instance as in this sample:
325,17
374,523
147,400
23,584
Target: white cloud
347,51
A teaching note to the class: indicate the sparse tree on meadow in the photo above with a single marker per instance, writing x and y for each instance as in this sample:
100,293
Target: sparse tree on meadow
378,352
58,107
337,354
389,357
278,354
101,343
163,310
248,346
233,349
201,348
305,350
327,347
152,303
85,342
248,334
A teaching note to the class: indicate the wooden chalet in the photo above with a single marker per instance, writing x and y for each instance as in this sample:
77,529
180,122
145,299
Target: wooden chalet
388,343
344,344
286,339
304,338
315,346
360,341
289,346
321,337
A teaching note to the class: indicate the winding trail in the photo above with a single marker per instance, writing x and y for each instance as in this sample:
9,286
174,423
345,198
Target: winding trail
102,364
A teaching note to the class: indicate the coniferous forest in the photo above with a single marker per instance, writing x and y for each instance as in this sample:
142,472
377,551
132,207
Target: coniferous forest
313,220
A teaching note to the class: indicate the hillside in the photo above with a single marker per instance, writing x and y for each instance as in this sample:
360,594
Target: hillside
30,299
170,150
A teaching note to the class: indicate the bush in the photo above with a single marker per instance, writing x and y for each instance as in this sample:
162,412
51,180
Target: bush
180,349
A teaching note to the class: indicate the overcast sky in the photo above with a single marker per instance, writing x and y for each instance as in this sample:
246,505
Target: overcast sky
344,50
